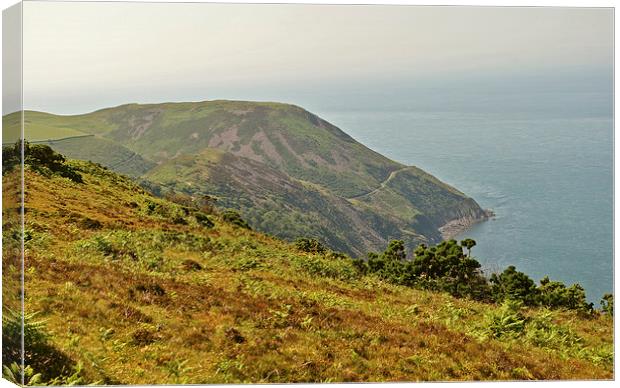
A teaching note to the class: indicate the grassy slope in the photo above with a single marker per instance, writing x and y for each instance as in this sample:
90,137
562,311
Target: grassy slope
257,311
105,152
40,126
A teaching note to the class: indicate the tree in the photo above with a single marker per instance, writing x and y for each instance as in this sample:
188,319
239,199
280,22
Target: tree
556,295
515,285
390,264
607,304
445,267
395,251
469,244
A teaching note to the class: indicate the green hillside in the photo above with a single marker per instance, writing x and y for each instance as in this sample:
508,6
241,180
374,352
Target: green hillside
313,179
39,126
123,287
274,202
104,151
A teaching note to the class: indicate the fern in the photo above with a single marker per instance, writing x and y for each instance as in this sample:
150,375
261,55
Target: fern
16,375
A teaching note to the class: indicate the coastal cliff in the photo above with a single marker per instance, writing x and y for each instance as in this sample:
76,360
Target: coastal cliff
289,172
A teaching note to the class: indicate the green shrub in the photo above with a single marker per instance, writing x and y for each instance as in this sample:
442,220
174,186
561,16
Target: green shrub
39,354
506,321
542,332
310,245
335,269
389,265
26,376
234,218
40,158
203,219
444,267
33,333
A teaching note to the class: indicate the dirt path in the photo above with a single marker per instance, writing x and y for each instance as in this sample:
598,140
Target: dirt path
115,165
382,185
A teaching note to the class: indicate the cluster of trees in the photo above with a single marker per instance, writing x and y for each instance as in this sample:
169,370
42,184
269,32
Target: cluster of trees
515,285
41,158
450,267
444,267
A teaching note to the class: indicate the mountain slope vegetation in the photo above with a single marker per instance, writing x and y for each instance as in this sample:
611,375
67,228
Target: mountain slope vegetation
314,180
123,287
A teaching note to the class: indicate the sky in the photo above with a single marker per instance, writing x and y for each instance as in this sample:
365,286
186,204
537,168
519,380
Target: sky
79,57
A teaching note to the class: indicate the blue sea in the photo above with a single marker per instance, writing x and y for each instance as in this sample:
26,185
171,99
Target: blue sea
546,173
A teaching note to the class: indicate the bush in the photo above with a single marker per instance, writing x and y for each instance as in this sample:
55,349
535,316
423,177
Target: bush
443,267
507,321
34,335
203,219
447,268
16,375
40,158
335,269
11,157
389,265
234,218
310,245
542,332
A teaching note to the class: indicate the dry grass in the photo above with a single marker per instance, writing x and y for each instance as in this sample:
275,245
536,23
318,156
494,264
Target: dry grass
114,284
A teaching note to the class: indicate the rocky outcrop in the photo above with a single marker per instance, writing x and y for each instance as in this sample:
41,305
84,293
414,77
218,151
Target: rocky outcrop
464,219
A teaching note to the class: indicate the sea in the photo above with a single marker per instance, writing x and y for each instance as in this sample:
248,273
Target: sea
544,165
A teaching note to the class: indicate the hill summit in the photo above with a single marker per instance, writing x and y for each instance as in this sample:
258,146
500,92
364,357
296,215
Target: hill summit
289,172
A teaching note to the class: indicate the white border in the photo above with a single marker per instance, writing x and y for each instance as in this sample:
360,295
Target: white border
523,3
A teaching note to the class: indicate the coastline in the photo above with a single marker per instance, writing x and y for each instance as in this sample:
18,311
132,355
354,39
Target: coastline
457,226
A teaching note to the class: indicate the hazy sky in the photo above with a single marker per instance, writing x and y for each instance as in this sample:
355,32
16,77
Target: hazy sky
80,57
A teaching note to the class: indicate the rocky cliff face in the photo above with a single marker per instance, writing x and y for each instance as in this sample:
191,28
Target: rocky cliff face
461,218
